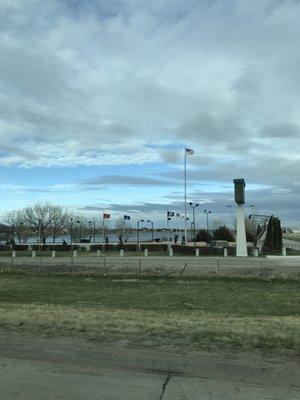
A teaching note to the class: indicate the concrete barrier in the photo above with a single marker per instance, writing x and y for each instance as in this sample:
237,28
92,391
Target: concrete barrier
171,252
34,253
14,254
53,253
75,253
146,252
197,253
255,251
225,252
283,251
98,253
121,253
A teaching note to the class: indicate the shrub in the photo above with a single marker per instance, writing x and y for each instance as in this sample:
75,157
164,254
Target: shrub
223,233
20,247
4,247
203,236
37,247
154,246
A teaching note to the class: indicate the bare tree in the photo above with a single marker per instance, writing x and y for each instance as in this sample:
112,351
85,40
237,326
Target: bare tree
42,217
122,229
59,222
15,220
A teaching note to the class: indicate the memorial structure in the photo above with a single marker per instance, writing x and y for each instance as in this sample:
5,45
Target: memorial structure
239,197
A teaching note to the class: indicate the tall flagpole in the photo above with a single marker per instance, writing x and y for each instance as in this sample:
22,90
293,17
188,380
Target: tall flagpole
185,208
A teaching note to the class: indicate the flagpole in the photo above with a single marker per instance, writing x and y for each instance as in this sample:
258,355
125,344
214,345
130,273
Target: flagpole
103,231
185,208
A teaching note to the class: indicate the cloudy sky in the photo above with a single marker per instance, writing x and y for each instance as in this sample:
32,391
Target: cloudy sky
98,99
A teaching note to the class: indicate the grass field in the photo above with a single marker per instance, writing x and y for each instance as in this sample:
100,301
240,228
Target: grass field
292,236
165,313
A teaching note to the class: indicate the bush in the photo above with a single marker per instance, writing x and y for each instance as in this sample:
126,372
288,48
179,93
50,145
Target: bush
223,233
203,236
20,247
154,246
38,247
4,247
180,249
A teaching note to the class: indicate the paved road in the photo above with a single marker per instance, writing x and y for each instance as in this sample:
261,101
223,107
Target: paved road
35,368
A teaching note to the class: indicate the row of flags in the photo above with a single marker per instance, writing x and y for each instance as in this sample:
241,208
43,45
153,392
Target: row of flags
107,216
171,214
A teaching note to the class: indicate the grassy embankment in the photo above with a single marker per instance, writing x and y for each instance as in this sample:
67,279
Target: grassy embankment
160,313
292,236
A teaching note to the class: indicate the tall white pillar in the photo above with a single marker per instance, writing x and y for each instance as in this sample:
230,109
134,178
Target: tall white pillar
241,243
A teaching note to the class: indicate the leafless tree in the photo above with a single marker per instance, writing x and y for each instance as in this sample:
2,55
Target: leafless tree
122,229
44,217
15,220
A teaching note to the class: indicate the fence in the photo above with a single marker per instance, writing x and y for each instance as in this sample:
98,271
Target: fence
158,266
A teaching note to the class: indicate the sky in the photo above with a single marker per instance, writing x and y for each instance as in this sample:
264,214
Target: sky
99,98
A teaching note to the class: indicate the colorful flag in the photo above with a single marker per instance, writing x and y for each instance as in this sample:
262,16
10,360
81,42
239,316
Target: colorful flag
170,214
189,151
127,217
106,216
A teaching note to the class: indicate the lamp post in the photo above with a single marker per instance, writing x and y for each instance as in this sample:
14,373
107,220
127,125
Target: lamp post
79,238
150,222
193,207
138,234
71,232
192,223
207,212
94,229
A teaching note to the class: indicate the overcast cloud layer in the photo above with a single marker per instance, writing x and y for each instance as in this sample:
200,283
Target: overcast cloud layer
115,83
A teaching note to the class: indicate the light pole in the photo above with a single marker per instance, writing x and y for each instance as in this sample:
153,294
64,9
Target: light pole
150,222
138,234
94,229
207,212
71,231
192,223
79,238
193,207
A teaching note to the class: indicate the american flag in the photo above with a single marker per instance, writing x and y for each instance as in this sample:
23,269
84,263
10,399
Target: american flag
189,151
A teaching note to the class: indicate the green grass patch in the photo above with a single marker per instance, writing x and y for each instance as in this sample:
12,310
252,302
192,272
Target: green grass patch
168,312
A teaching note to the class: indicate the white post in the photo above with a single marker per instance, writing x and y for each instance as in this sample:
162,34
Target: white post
241,244
185,208
168,228
255,252
283,251
53,253
225,252
121,253
171,252
98,253
75,253
34,253
197,252
146,252
14,254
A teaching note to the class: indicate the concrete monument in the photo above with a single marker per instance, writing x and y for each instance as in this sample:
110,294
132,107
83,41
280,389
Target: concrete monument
239,197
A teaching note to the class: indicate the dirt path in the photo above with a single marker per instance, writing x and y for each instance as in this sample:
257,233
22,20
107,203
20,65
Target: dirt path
33,367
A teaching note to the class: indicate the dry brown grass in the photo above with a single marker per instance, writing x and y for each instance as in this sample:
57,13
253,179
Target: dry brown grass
167,329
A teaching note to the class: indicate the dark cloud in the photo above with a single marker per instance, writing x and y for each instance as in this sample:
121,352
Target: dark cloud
124,180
